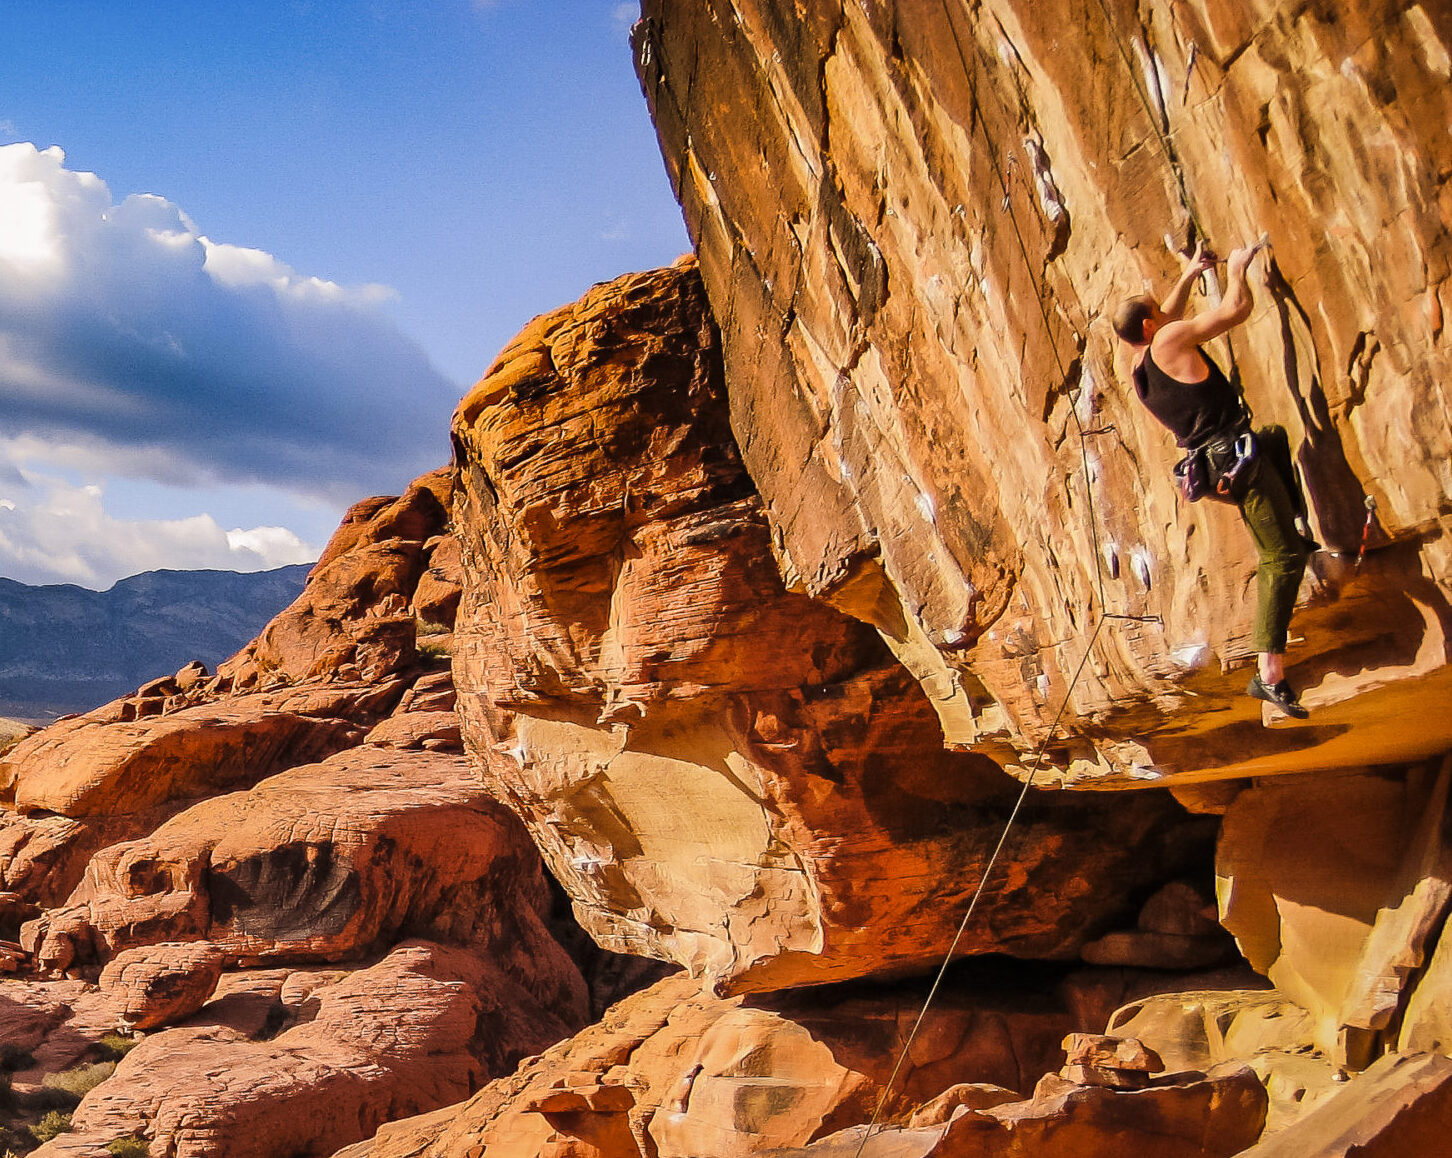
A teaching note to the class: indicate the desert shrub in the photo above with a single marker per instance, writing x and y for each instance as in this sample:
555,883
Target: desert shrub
433,627
12,1057
52,1125
115,1046
64,1090
129,1147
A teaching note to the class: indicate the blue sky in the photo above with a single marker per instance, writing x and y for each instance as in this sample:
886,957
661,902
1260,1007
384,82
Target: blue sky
310,227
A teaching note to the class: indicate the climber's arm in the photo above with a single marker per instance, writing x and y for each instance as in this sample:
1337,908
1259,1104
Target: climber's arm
1179,338
1173,307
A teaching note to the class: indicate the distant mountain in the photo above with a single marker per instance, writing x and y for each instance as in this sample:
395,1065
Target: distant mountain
67,649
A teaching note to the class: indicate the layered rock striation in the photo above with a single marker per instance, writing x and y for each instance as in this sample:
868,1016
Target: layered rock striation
722,773
913,221
756,575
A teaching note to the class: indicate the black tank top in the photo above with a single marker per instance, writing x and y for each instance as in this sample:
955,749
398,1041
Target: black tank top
1193,411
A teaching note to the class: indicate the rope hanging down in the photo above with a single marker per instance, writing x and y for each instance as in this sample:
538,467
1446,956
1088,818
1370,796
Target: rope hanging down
1036,764
1040,293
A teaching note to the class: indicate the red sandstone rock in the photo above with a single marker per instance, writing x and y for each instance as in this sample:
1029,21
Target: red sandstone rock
88,767
420,1029
321,863
913,222
416,730
155,985
969,1095
720,772
353,614
1119,1053
1201,1029
1401,1106
1334,887
436,597
739,1076
42,857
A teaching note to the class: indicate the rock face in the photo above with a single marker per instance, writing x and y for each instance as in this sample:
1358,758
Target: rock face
913,221
720,772
319,863
675,1073
692,1074
299,1063
754,705
1402,1105
1336,889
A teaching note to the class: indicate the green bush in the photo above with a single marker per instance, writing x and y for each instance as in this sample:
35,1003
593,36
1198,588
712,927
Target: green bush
12,1057
129,1147
63,1091
81,1080
52,1125
115,1046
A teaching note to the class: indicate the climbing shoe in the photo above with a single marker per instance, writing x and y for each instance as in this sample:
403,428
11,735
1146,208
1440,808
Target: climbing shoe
1277,695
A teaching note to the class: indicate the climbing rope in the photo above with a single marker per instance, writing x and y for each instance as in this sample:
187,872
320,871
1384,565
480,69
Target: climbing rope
1036,765
1041,290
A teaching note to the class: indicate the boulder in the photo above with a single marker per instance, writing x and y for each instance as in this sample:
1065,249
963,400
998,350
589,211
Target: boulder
1334,887
353,617
437,731
721,772
420,1029
155,985
1200,1029
1102,1060
322,863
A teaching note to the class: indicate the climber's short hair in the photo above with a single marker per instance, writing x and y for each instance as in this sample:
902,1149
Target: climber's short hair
1130,317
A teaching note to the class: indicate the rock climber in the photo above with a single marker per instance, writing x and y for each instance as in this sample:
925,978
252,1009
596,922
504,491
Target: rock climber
1190,395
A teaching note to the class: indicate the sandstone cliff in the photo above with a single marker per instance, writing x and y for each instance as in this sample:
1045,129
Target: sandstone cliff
722,773
765,576
913,220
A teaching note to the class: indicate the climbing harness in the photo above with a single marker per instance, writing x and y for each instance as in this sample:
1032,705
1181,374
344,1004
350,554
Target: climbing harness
1218,468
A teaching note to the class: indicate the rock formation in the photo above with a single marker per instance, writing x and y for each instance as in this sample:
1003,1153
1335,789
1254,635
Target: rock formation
285,876
763,571
672,1071
913,221
720,772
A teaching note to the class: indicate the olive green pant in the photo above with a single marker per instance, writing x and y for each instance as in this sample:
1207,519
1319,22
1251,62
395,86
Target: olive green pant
1269,508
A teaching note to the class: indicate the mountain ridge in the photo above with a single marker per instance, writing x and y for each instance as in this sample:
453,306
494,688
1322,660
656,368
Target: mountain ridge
66,648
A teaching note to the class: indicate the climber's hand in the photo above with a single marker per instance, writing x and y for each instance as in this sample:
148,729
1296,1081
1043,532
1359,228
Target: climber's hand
1201,260
1240,259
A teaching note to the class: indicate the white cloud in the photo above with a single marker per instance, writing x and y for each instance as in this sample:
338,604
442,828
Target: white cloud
271,543
625,15
128,335
53,530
